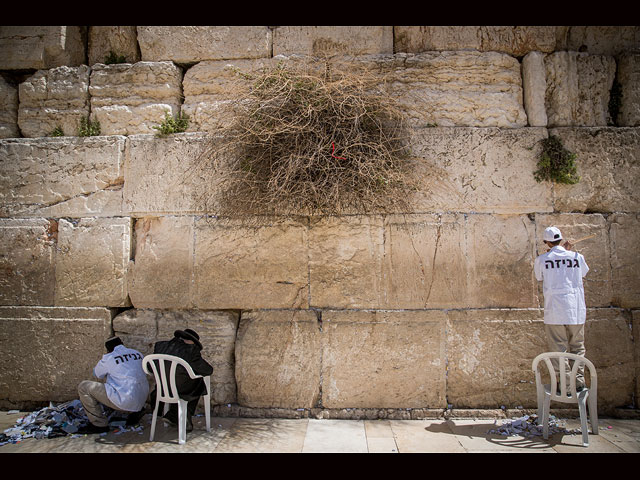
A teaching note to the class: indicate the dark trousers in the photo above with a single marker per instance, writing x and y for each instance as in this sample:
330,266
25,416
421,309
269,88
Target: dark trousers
173,407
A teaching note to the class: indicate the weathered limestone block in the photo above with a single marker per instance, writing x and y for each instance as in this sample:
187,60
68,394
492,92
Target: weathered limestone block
41,47
598,289
56,177
489,356
47,352
479,170
278,359
377,359
516,41
161,272
191,44
8,110
578,87
624,230
608,161
422,261
250,264
534,85
500,255
601,40
27,261
209,86
162,175
423,265
141,329
54,98
91,264
610,346
629,78
346,262
122,41
332,40
463,88
133,98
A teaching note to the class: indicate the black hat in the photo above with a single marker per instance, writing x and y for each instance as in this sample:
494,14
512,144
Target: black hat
112,343
188,334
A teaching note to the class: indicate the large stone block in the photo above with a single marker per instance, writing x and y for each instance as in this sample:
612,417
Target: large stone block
208,263
422,261
8,110
609,344
629,78
624,230
91,264
332,40
636,348
27,261
121,40
54,98
382,359
161,273
598,287
210,86
534,85
41,47
478,170
162,175
578,87
250,263
278,359
500,255
191,44
47,352
608,162
133,98
61,177
516,41
489,356
448,89
141,329
600,40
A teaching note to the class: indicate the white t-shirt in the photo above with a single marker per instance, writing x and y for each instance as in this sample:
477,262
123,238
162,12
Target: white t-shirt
561,272
126,383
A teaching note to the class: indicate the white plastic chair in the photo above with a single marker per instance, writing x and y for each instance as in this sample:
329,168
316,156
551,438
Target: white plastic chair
170,395
567,393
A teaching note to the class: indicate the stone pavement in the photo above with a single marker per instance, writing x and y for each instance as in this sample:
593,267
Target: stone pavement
275,435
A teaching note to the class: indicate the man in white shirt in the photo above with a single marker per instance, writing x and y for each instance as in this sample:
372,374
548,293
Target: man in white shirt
561,271
125,386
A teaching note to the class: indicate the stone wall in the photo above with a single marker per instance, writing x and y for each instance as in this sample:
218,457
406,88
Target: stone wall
414,312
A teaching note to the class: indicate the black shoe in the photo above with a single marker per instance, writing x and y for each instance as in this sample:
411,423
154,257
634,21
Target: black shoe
135,417
91,428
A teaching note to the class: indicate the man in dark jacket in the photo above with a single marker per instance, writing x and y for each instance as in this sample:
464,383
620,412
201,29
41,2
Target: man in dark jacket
186,345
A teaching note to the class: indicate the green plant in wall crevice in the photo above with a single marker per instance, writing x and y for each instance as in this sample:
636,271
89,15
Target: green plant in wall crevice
556,163
177,124
87,128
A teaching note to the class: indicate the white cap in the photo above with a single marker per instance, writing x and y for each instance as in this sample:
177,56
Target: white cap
551,234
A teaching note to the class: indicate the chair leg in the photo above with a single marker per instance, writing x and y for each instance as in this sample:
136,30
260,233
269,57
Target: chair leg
153,421
207,411
182,422
582,406
546,407
593,412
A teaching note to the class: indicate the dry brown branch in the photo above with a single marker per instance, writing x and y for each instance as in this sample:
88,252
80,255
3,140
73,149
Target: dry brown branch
306,140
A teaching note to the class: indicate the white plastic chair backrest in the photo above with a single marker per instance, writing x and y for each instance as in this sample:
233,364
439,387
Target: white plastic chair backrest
164,381
561,356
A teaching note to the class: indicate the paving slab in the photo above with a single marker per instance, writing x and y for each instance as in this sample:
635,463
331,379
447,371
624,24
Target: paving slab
335,436
259,435
425,436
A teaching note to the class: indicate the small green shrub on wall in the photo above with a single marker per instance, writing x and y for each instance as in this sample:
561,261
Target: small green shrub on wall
177,124
556,164
87,128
